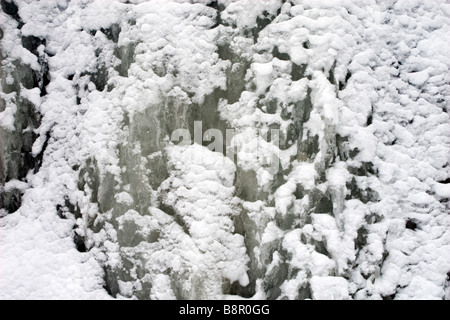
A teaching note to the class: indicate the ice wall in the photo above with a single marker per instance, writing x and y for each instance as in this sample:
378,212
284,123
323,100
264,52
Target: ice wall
348,99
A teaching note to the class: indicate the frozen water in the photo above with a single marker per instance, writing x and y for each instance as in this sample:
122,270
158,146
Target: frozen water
97,202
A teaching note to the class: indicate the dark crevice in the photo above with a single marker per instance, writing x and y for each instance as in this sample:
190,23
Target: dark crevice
306,44
341,147
209,115
100,77
272,106
301,114
236,81
373,218
389,296
45,75
40,155
275,278
28,163
246,185
235,74
298,71
126,56
280,55
225,52
79,242
11,200
364,195
219,7
370,117
178,219
24,75
11,9
60,211
321,247
367,168
299,191
411,224
247,228
331,75
286,139
111,283
112,33
308,149
384,257
324,205
361,239
262,21
32,43
343,84
17,159
88,176
63,211
304,292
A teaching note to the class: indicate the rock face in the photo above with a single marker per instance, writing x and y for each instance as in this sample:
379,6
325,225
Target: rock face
284,150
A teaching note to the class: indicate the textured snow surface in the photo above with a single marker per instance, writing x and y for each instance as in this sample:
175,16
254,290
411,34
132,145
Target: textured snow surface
99,203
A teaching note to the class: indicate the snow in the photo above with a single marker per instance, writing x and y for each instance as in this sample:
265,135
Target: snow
7,117
442,190
39,261
15,184
329,288
361,89
203,200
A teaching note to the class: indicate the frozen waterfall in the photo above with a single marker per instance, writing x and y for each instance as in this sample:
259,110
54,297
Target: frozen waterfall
224,149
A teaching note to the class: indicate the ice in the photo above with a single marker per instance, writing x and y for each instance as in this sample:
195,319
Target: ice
349,201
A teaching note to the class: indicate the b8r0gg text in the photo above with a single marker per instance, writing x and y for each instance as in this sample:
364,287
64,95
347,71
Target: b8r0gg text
245,309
